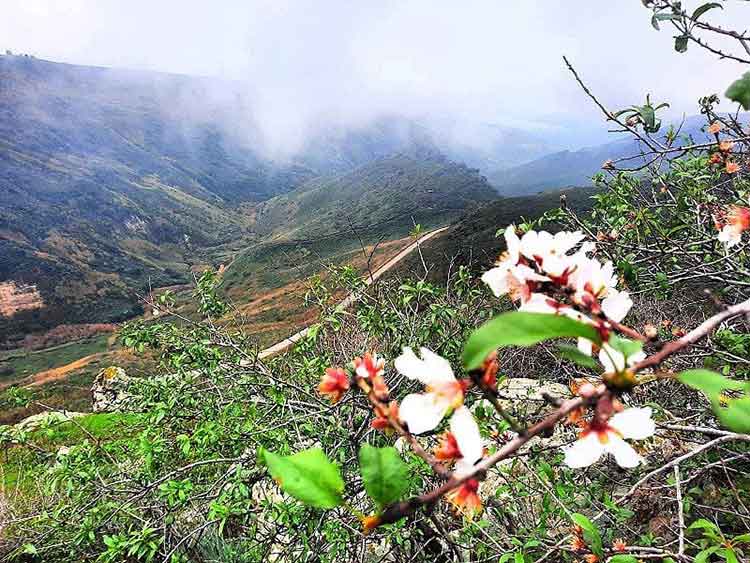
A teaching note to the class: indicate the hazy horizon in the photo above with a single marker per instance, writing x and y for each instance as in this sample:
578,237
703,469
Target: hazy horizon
463,66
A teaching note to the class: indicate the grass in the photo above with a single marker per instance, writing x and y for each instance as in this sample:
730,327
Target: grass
103,426
19,364
107,427
73,390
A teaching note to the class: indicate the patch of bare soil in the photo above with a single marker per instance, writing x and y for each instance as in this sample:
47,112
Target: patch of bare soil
55,374
16,297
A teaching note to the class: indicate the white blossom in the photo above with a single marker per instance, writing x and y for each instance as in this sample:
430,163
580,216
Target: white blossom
730,236
466,432
423,412
541,246
609,437
616,305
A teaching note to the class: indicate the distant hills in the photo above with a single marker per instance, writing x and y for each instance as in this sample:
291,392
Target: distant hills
329,218
576,168
422,184
115,181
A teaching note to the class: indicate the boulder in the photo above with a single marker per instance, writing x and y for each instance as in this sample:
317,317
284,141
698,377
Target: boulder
110,390
524,399
45,419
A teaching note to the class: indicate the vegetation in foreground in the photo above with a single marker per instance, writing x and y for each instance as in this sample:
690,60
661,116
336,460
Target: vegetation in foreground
355,447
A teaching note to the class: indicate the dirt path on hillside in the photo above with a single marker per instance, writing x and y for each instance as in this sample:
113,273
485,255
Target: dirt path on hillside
288,342
61,372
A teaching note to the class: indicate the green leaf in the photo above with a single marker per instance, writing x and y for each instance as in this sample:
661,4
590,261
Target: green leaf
739,91
681,43
711,383
702,524
656,18
648,116
735,415
308,476
730,556
591,534
700,10
703,556
574,355
521,329
626,347
385,475
623,558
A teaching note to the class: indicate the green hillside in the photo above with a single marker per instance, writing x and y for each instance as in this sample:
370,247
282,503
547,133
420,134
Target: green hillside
472,239
332,216
115,181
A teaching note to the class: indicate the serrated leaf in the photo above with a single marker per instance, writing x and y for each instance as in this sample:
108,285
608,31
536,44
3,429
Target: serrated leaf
385,475
711,383
573,354
521,329
681,43
308,476
700,10
591,534
739,91
623,558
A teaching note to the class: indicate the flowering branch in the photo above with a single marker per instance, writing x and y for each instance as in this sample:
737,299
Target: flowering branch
407,508
384,411
701,331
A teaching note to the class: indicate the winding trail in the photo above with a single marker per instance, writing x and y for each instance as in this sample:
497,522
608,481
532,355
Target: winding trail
289,341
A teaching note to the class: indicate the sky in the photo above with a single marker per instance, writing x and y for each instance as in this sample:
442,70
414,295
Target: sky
494,62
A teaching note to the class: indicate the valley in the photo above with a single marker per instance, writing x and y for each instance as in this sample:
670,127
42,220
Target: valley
117,185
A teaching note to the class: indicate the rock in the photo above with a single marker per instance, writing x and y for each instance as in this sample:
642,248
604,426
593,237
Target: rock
109,392
45,419
524,399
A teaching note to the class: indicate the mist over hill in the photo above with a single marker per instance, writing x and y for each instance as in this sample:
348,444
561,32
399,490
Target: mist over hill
114,181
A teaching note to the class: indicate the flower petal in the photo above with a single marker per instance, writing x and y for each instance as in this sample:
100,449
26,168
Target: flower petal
512,244
612,360
585,346
730,236
616,305
466,432
565,240
584,451
439,368
625,455
463,468
498,279
634,423
422,411
539,303
429,370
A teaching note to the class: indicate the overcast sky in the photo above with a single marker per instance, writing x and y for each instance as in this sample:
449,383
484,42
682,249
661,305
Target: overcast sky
493,61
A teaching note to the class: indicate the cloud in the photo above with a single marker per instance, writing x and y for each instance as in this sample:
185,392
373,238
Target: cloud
479,61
